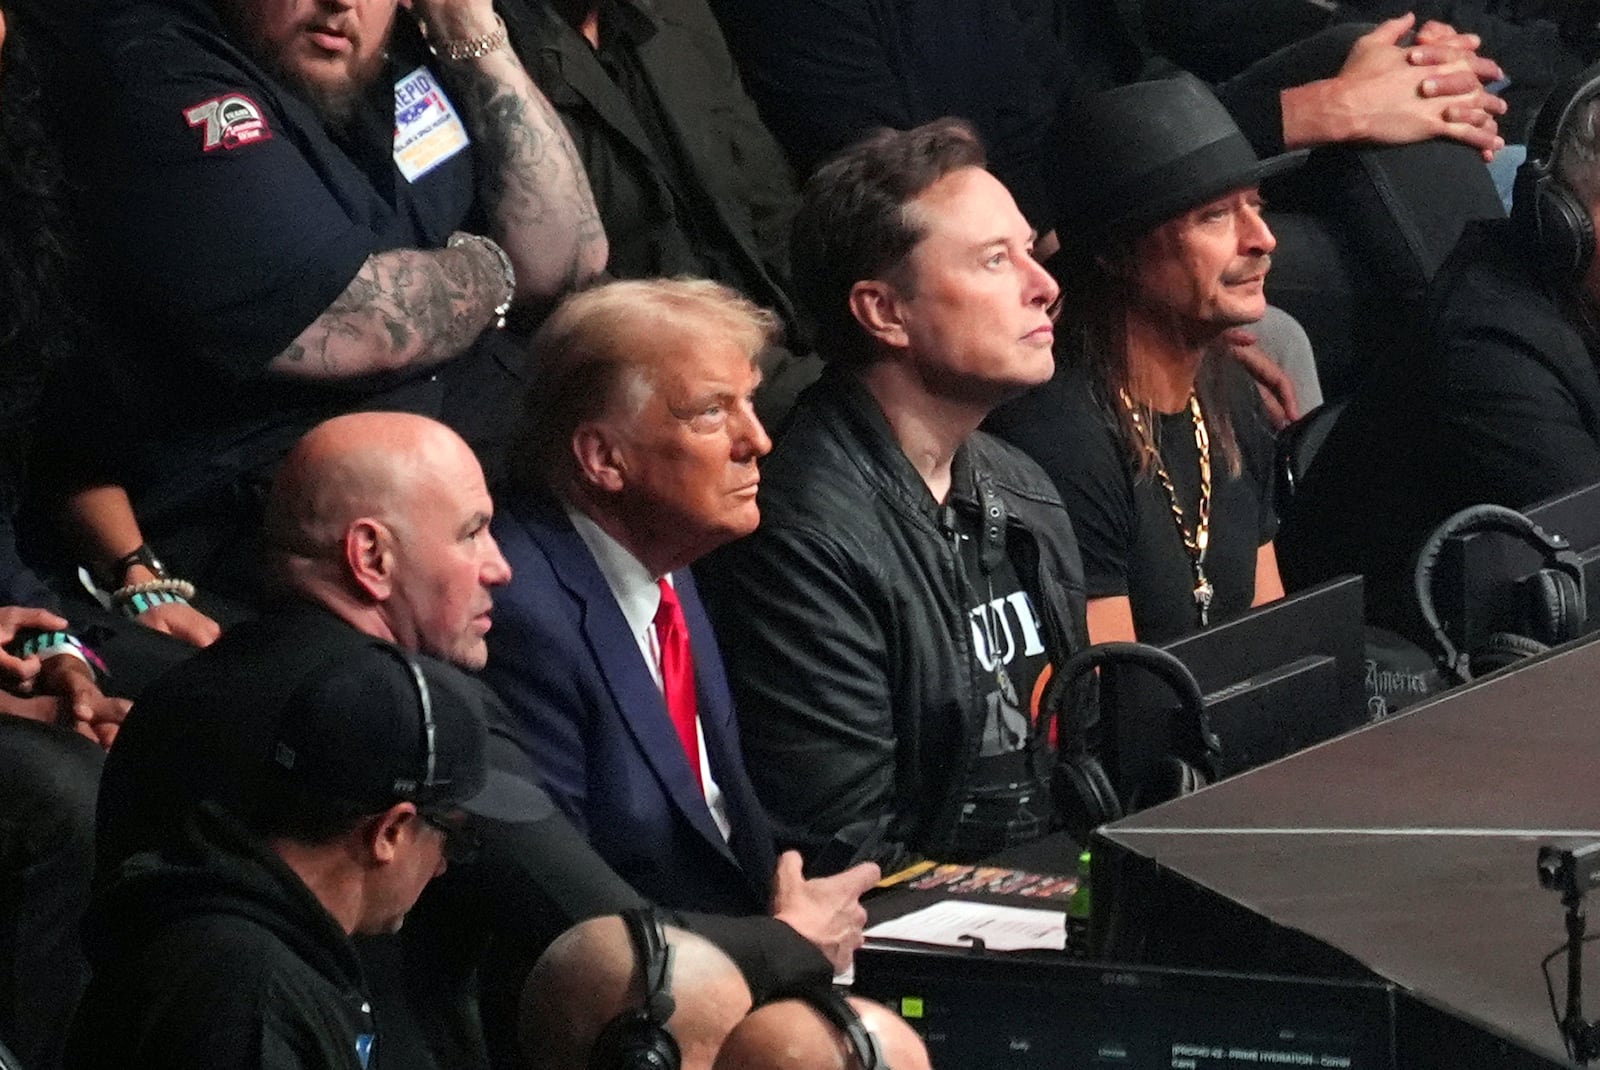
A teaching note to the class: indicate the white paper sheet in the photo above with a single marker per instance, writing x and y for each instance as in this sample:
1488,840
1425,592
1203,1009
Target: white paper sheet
953,922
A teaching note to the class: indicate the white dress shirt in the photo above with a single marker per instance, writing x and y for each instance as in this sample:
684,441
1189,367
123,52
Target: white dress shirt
637,595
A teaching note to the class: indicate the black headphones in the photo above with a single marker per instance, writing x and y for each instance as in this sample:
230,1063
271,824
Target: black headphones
1084,796
1556,608
430,748
638,1039
1554,223
831,1003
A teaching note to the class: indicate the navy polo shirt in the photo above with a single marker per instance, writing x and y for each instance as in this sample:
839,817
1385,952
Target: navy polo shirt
227,218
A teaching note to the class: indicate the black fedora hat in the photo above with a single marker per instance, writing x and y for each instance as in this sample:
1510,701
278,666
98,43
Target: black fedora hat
1143,153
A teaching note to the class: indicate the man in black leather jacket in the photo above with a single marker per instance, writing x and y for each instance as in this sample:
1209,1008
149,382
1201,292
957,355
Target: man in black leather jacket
890,626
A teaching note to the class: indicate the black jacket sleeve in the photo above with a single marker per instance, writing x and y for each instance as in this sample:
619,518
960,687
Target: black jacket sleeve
541,878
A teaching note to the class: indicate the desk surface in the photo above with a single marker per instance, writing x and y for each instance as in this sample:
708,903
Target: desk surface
1410,845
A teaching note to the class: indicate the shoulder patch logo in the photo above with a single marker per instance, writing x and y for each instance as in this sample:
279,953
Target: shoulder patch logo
230,121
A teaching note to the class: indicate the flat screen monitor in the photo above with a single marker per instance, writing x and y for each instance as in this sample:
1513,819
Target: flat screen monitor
1276,680
1480,578
978,1013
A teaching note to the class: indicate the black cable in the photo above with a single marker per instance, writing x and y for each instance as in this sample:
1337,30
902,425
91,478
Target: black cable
1550,989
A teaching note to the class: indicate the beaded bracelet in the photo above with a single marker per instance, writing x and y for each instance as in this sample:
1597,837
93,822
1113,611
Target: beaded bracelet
470,48
138,598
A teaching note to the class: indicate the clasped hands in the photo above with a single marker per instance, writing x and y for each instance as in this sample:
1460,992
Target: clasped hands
58,690
1396,94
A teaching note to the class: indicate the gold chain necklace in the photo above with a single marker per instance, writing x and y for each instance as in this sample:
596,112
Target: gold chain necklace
1196,541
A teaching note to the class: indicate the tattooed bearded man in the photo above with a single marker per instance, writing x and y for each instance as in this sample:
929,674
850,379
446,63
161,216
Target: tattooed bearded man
304,207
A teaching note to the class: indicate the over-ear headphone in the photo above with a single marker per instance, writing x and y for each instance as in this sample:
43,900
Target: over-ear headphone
1556,605
832,1005
1084,796
1554,222
638,1038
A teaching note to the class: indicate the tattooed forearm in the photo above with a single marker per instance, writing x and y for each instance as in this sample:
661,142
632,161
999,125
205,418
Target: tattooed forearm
403,309
533,183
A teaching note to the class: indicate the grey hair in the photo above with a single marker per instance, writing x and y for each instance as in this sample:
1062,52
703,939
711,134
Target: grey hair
1578,155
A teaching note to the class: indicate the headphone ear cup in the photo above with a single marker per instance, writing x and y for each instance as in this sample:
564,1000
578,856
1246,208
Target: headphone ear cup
1190,779
634,1041
1564,238
1567,599
1173,779
1502,649
1555,607
1084,796
1555,224
639,1038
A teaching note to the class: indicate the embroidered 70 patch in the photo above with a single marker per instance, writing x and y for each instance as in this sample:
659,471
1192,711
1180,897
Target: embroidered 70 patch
230,121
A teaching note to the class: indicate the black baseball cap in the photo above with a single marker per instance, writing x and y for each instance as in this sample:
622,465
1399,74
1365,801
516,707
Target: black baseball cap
377,725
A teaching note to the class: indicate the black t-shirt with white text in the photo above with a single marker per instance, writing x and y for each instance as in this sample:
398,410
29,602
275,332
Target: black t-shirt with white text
1010,663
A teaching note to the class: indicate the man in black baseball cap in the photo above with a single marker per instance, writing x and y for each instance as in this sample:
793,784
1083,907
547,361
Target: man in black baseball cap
352,780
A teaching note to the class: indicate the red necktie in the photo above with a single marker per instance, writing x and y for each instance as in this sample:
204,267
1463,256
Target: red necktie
677,673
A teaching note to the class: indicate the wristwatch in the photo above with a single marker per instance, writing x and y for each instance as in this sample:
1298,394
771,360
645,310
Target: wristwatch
142,556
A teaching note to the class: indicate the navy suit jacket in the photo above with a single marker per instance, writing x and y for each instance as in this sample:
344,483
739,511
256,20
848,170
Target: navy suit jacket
587,712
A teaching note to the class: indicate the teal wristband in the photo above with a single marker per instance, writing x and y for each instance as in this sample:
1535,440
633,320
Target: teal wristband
45,644
138,604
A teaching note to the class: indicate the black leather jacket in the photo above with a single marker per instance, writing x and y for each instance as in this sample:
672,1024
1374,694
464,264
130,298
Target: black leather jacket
843,622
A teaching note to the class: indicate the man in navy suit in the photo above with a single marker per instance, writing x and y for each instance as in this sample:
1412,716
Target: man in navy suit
639,459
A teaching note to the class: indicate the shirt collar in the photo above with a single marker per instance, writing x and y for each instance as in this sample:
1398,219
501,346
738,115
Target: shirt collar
622,22
631,583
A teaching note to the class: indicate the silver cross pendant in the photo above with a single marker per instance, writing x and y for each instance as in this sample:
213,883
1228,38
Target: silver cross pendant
1202,599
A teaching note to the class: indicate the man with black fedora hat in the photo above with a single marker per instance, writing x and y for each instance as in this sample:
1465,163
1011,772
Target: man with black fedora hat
355,772
1157,442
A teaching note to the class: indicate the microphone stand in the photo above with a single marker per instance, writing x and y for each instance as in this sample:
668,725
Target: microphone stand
1582,1037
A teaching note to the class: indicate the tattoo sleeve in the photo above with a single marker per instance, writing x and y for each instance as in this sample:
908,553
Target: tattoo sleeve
405,308
540,206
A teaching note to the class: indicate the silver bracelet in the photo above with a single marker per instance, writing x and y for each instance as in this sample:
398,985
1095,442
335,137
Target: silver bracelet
507,273
471,48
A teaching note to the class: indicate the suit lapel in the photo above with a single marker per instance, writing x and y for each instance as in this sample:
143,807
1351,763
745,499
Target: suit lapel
639,704
751,838
583,78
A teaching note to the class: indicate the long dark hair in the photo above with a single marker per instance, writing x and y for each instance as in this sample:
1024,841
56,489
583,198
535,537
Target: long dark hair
1093,334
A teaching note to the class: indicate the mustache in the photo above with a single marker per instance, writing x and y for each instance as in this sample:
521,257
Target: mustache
1253,267
342,27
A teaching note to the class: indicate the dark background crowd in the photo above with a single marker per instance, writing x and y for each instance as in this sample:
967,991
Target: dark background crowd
582,456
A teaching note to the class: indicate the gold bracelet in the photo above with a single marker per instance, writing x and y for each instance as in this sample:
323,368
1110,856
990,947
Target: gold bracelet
472,47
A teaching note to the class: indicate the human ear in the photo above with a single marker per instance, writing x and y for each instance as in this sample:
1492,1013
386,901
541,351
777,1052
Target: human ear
389,830
878,307
601,460
369,555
